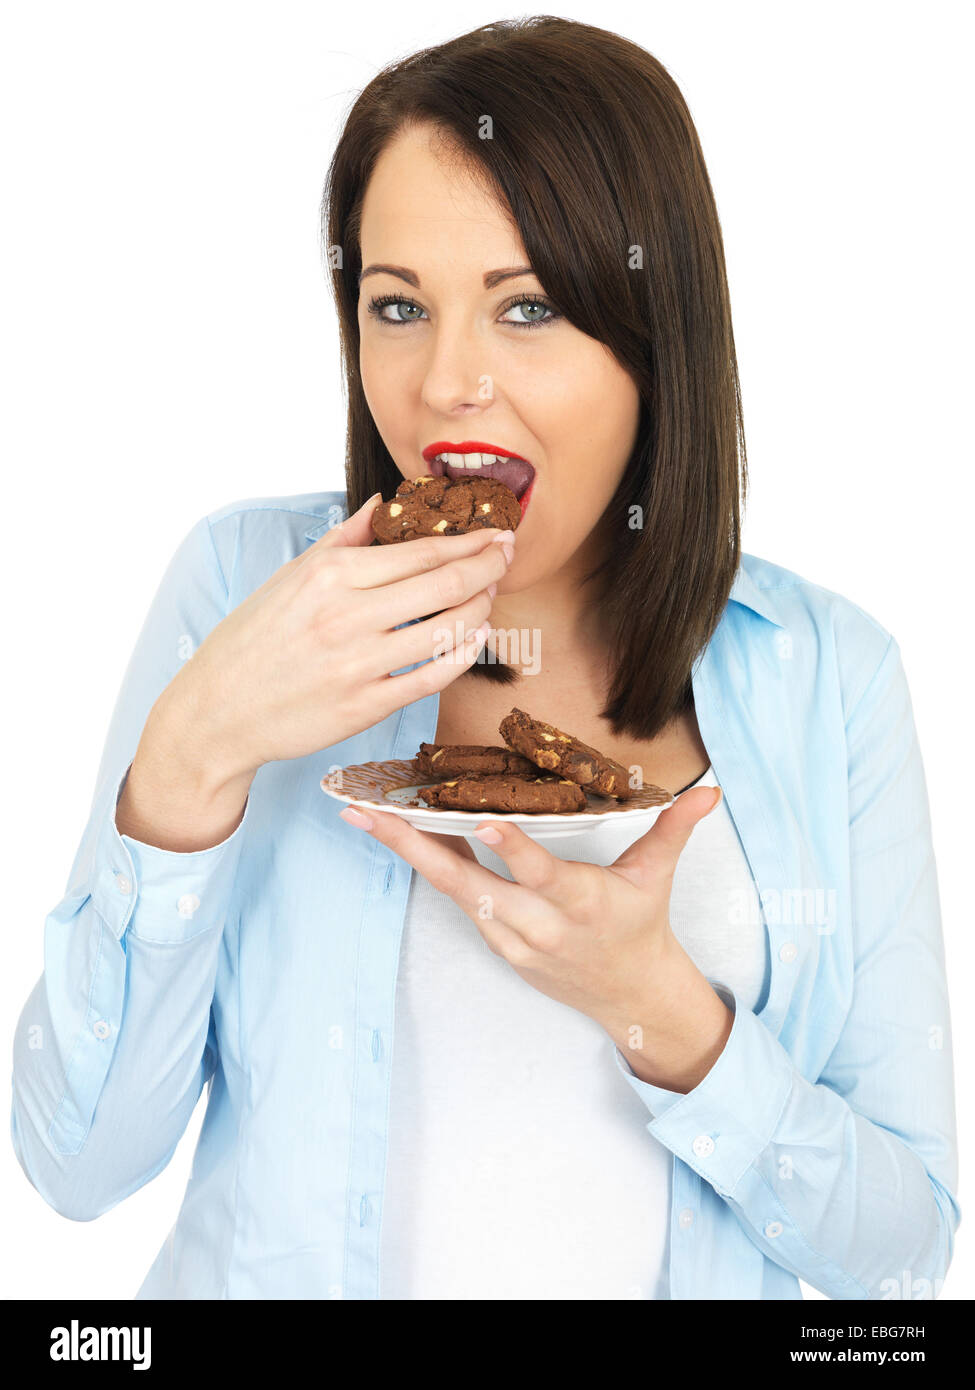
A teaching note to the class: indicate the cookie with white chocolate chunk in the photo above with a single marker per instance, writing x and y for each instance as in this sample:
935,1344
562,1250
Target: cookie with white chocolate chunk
430,506
461,759
560,753
487,792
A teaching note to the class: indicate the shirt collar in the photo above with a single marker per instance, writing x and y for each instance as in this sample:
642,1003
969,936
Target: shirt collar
744,590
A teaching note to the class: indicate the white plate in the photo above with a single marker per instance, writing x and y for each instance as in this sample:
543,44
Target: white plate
389,786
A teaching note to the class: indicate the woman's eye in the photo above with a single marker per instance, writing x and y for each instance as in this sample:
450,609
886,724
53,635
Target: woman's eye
546,314
537,311
377,305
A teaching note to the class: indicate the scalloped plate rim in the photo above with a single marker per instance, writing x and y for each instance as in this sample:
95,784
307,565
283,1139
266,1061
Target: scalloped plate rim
550,823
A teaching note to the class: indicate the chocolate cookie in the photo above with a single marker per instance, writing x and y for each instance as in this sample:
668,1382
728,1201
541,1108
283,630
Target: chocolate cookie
557,752
459,760
486,792
430,506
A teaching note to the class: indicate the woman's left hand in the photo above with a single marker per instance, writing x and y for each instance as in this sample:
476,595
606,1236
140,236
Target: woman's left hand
598,939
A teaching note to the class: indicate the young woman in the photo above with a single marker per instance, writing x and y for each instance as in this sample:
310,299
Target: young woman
703,1061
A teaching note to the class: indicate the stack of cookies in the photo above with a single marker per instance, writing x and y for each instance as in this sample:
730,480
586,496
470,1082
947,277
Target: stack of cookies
541,769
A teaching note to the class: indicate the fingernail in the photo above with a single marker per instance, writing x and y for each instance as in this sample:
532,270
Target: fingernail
368,500
354,817
492,590
489,835
716,799
505,538
509,551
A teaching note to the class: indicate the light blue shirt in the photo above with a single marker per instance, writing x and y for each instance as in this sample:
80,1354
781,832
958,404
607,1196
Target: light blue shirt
820,1145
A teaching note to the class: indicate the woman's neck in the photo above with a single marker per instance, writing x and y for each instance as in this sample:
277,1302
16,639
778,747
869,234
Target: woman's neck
555,624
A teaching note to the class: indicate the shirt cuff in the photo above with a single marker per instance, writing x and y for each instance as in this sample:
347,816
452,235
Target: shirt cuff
158,894
721,1126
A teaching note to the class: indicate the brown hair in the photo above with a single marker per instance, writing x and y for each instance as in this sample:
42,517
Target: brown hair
594,152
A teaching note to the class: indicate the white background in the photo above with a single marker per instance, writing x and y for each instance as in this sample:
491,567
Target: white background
169,346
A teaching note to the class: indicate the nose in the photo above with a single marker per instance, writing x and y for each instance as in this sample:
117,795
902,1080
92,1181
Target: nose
458,379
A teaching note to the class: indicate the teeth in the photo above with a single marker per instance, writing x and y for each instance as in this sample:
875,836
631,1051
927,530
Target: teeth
469,460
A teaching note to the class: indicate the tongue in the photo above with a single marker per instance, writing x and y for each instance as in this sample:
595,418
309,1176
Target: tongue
514,473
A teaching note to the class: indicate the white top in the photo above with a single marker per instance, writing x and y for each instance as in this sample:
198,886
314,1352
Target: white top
519,1164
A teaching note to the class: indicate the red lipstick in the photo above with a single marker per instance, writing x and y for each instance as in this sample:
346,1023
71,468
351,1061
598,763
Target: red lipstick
469,446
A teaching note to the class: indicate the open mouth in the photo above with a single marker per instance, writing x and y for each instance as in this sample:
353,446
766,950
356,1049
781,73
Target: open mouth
476,460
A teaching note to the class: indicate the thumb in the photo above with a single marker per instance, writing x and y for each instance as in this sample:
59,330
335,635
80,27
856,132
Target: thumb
673,827
355,529
671,830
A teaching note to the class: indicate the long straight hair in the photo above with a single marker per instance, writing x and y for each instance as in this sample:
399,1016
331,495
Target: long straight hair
594,153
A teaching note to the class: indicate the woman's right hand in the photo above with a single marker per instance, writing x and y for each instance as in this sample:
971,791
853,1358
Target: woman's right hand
305,661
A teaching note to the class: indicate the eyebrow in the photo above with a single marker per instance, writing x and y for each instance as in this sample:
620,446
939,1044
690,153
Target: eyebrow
491,277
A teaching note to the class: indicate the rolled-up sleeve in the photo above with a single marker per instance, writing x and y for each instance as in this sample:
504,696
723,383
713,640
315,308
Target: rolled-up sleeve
116,1040
850,1181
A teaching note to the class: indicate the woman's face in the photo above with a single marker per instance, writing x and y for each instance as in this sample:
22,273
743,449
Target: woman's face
477,363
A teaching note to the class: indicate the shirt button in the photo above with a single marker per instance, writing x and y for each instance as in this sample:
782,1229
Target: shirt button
187,904
703,1145
686,1217
773,1229
101,1029
788,952
123,884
